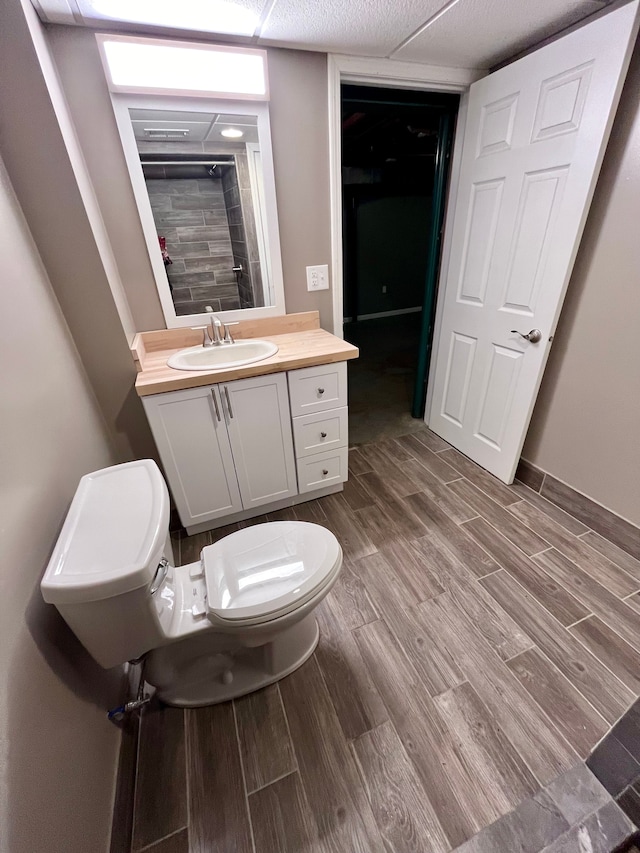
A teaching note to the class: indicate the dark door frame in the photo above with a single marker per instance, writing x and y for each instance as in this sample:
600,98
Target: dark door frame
443,159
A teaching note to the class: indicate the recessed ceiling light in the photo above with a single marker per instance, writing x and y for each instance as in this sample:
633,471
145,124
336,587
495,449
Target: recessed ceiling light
215,16
231,133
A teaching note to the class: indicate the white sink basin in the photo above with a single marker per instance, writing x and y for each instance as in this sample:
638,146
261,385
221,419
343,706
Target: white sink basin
223,356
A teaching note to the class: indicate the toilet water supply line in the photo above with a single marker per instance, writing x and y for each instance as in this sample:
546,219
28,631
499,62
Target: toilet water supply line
119,713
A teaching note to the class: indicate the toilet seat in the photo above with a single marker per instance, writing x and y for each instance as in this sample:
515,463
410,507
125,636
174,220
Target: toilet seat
262,572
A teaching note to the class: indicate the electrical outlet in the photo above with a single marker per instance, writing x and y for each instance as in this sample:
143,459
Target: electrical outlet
384,288
318,277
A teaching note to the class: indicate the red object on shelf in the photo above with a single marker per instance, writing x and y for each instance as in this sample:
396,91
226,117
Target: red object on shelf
163,248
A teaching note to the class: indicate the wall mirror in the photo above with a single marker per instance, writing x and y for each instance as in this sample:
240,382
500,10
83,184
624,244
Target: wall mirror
202,175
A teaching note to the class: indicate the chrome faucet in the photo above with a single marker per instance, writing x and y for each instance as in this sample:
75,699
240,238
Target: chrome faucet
217,333
213,334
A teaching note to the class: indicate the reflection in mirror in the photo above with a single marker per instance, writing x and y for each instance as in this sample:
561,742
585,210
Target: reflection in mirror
203,177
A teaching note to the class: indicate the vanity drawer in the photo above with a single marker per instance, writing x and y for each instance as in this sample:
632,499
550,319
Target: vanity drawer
322,469
321,431
316,389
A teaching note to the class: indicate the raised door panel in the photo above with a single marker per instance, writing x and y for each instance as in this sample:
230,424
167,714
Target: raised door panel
192,438
259,422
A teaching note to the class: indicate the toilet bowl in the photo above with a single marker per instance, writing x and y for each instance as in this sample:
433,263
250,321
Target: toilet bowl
237,619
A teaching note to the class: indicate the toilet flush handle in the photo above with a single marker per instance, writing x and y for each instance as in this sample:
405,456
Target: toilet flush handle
160,575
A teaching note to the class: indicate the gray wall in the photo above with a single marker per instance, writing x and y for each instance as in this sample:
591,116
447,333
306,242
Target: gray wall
299,130
40,170
58,752
300,134
76,56
586,424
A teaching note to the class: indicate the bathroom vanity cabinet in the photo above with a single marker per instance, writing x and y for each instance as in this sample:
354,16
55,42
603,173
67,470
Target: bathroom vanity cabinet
236,449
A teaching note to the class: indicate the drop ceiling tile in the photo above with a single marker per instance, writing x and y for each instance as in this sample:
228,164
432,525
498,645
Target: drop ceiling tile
483,33
239,17
364,27
236,118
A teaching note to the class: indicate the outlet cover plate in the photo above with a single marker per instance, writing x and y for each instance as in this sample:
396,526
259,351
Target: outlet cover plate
318,277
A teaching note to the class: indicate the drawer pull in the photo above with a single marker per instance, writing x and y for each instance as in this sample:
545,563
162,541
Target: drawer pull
324,472
320,390
323,435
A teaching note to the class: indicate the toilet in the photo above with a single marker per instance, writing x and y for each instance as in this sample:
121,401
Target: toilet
239,618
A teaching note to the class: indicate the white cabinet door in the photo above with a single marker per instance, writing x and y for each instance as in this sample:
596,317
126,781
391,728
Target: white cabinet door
258,418
191,435
535,136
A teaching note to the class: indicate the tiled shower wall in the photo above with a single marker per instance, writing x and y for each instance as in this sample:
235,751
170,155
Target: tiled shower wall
191,214
240,219
242,227
616,762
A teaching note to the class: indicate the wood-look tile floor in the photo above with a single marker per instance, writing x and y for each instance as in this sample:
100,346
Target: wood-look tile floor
478,643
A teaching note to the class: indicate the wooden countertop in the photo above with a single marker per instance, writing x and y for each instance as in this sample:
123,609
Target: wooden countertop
305,347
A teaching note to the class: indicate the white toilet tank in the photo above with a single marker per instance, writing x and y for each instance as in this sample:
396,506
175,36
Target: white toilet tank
106,558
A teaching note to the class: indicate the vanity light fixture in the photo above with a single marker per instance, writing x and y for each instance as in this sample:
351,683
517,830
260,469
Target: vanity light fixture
231,133
159,66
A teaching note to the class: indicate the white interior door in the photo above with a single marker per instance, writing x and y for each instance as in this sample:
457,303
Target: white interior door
534,140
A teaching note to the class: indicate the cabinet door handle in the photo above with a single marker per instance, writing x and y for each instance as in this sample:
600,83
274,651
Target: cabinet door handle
226,394
323,435
324,472
215,404
320,390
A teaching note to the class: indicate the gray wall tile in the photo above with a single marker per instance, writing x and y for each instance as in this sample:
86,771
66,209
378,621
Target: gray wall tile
535,823
187,250
171,186
193,201
215,291
180,217
577,793
219,235
600,833
217,263
613,765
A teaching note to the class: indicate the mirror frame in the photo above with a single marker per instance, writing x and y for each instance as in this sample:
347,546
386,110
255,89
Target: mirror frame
264,198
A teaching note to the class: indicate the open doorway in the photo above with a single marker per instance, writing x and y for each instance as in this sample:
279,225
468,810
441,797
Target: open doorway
396,146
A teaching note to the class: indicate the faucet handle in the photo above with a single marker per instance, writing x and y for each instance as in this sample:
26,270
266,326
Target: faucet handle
228,337
206,337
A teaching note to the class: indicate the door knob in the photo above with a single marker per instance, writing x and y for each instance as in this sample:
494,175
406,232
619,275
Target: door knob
533,336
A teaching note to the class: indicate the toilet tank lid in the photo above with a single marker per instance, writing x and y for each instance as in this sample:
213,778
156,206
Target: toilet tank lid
113,535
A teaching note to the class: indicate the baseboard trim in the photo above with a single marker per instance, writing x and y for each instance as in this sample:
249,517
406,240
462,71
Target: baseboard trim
265,509
604,521
122,821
